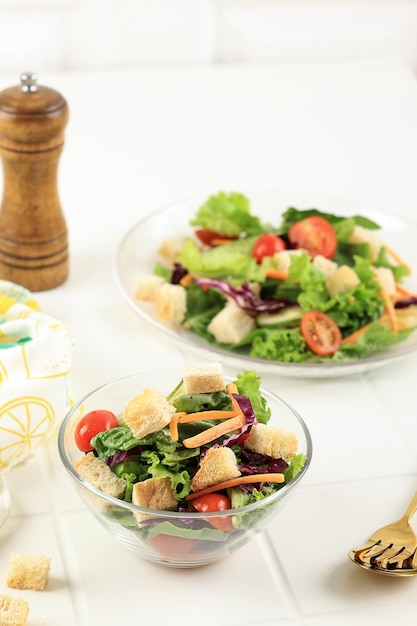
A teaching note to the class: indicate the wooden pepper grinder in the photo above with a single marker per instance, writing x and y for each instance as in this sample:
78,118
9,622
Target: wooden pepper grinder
33,232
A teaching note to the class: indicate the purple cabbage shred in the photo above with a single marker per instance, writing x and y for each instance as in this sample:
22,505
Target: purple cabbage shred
406,302
244,297
122,455
250,418
178,272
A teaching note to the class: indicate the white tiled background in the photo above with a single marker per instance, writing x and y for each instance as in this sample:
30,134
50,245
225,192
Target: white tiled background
48,35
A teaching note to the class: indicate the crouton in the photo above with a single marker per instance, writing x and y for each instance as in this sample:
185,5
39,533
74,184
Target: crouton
342,280
325,266
386,280
276,443
366,235
217,465
170,249
231,324
28,571
171,303
98,473
148,412
148,287
13,611
284,257
154,493
203,378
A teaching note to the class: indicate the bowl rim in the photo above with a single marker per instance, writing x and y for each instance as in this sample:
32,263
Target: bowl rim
129,506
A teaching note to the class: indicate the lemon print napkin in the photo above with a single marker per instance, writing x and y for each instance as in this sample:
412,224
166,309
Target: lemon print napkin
35,365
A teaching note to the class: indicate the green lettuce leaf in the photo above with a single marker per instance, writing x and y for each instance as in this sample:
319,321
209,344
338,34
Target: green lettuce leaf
231,262
279,344
204,534
193,403
343,226
202,306
228,214
248,384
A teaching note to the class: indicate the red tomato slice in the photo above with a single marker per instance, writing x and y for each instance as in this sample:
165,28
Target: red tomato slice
314,234
267,245
169,545
215,502
90,425
320,333
208,236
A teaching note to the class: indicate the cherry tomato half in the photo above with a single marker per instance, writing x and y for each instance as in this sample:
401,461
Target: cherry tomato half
90,425
267,245
320,333
208,237
169,545
215,502
314,234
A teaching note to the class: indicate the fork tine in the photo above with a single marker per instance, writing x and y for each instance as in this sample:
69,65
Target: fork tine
400,559
376,550
388,556
365,546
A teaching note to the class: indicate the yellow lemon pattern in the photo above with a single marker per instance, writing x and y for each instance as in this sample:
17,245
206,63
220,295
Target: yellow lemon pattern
35,366
24,424
3,374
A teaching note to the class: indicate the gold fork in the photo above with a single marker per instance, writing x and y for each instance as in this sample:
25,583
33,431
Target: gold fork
392,548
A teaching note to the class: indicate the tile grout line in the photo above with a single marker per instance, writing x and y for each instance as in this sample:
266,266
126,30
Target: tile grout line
278,575
46,465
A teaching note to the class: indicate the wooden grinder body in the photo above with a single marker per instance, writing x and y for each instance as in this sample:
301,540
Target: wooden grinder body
33,232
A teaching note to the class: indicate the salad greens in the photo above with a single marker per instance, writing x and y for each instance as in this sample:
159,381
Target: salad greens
367,315
157,455
160,455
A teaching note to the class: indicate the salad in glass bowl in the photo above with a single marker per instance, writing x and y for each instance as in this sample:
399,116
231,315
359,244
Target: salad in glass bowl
184,468
313,288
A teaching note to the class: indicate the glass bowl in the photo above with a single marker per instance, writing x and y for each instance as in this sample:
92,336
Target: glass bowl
175,539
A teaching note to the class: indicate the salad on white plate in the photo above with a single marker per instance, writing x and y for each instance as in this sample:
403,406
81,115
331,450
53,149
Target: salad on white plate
315,287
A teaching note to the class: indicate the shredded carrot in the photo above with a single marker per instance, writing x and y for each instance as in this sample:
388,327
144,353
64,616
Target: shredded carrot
403,291
395,256
241,480
173,425
186,279
406,312
207,415
220,242
231,389
278,274
206,436
389,307
355,336
402,324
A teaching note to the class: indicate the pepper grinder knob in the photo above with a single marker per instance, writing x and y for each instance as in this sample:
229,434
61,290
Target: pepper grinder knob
33,233
29,81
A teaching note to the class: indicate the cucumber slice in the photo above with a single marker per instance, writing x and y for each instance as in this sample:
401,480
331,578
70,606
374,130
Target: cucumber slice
286,317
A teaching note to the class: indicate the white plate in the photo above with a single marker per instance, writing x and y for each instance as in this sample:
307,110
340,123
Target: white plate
137,255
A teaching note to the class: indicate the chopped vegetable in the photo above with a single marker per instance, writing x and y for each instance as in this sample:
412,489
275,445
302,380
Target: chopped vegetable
277,274
209,435
320,332
241,480
186,279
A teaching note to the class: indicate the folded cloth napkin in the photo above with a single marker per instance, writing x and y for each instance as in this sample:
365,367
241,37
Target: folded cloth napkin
35,366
